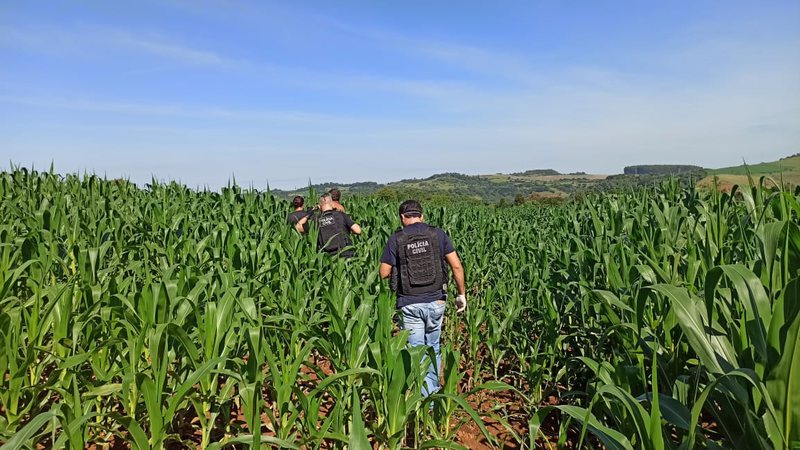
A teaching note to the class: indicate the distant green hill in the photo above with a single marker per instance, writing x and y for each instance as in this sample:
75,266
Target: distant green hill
547,184
460,187
788,164
543,184
786,170
661,169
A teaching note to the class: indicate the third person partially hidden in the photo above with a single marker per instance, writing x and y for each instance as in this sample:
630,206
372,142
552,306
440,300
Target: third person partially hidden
336,196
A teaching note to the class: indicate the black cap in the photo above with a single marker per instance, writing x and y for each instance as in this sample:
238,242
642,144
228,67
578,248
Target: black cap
410,208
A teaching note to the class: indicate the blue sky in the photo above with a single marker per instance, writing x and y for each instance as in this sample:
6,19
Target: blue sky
345,91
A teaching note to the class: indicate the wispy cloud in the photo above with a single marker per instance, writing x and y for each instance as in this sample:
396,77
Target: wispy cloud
165,109
91,41
471,58
493,62
173,51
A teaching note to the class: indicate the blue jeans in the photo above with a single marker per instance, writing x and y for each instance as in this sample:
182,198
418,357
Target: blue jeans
424,321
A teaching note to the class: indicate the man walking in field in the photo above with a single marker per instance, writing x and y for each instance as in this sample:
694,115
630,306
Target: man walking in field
416,255
334,228
336,196
298,213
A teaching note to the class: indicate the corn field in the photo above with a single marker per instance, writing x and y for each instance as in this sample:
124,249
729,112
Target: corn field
164,317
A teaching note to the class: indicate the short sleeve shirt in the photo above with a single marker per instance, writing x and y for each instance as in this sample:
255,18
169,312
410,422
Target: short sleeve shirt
390,257
295,217
345,222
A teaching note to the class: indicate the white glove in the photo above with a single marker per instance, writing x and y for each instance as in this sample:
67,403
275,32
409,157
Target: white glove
461,303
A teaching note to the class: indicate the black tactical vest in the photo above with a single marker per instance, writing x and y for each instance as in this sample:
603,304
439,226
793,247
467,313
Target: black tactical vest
332,235
420,263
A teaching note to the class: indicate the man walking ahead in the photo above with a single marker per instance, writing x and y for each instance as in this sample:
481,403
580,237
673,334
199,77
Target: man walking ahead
334,228
417,254
298,213
336,196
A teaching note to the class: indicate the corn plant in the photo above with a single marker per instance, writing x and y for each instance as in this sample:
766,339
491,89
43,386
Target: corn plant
159,316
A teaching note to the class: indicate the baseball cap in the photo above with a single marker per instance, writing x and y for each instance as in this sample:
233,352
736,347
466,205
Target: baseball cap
410,208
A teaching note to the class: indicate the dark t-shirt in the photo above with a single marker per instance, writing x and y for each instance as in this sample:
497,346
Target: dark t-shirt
390,257
341,223
295,217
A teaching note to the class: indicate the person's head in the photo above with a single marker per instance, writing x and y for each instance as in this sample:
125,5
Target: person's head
336,194
298,202
325,202
410,212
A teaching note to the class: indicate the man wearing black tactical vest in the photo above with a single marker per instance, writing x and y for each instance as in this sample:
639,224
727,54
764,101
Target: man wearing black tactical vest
334,228
414,258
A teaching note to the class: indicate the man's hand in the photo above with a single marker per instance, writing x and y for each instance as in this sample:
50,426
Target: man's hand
461,303
300,225
385,270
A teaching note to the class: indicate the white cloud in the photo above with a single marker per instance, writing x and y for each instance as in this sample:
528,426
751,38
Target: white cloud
172,51
167,109
92,41
492,62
